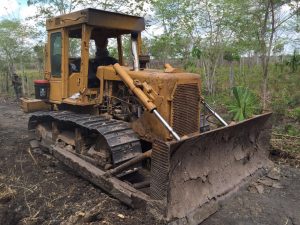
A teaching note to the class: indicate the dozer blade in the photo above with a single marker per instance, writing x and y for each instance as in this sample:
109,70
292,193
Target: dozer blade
191,176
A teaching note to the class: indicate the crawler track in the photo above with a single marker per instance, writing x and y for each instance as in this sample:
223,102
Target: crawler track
121,139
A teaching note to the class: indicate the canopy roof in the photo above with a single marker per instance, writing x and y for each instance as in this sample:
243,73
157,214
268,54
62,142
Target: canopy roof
98,18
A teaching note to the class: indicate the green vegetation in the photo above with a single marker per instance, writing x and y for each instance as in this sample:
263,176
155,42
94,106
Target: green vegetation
295,113
284,94
244,103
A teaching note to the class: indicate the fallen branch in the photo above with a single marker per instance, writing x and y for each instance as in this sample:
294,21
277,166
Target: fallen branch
30,153
16,186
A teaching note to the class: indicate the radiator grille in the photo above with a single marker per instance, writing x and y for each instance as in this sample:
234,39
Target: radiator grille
186,109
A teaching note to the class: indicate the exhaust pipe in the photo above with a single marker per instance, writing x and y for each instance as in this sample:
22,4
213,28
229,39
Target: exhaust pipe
134,50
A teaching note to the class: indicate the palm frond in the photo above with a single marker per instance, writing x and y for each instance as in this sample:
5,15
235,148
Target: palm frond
244,104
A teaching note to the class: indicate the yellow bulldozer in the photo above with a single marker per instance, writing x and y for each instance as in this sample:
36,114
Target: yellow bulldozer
138,133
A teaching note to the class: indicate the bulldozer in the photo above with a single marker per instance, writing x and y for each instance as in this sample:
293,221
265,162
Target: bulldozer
138,133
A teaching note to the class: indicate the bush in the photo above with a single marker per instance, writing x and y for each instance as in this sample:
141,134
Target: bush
244,105
191,67
291,130
280,103
295,114
294,100
279,107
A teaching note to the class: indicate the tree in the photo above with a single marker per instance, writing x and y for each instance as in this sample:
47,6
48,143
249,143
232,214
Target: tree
39,56
231,55
202,25
256,23
13,47
15,41
169,46
176,19
50,8
295,61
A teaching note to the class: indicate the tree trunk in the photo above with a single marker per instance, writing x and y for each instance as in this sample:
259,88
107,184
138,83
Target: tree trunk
265,78
265,91
249,61
209,73
267,51
7,82
27,85
240,67
231,76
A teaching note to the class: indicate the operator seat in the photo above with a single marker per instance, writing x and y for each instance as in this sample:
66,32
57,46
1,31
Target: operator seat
93,81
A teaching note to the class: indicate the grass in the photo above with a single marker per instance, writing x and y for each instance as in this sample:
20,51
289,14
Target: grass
6,193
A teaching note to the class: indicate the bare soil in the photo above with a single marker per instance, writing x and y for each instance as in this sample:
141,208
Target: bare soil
37,189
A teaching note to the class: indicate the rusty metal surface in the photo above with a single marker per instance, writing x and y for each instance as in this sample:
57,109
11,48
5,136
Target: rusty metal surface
194,174
122,140
117,188
164,84
130,163
98,18
185,112
159,170
211,165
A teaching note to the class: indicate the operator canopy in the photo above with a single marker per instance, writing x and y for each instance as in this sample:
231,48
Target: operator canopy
119,23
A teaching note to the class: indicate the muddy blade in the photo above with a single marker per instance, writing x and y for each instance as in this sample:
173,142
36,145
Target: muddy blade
193,174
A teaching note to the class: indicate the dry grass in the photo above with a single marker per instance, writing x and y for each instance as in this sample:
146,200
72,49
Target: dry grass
6,193
286,149
286,143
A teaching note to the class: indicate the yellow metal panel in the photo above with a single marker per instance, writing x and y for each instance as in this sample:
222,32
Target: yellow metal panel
65,63
33,105
86,33
74,84
55,90
47,58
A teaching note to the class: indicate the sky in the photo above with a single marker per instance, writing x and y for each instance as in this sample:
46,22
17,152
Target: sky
15,9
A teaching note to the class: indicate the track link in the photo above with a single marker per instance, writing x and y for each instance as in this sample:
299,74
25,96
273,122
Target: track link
124,143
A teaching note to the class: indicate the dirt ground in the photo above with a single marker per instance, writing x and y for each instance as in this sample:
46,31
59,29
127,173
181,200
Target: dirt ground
37,189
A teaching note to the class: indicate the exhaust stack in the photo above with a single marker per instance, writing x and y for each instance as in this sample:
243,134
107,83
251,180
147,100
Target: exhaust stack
134,50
